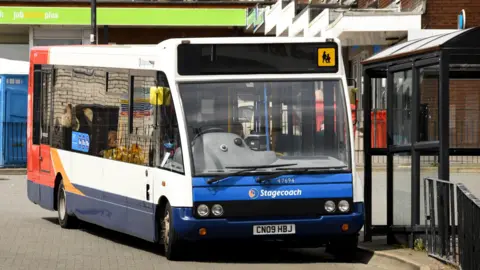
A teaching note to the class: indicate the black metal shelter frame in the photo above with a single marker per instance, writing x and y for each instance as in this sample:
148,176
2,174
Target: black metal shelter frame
454,55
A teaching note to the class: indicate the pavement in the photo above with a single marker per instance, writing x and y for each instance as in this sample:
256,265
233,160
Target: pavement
30,238
406,257
402,192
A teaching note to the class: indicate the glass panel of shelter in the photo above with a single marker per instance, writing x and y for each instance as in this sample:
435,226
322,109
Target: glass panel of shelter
408,179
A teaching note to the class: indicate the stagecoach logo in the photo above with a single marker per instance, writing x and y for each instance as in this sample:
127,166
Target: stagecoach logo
145,62
254,193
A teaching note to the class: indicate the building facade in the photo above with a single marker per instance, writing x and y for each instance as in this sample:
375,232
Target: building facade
24,24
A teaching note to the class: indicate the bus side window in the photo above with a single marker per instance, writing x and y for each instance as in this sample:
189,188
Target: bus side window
141,124
170,150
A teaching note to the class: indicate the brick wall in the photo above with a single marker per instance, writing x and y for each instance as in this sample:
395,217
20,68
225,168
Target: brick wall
442,14
464,111
384,3
464,94
429,95
84,86
407,4
362,3
374,3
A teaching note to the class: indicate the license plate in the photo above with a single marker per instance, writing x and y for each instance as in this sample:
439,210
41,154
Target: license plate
274,229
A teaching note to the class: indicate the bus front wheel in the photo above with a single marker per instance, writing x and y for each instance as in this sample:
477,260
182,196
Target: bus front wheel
171,243
344,248
64,219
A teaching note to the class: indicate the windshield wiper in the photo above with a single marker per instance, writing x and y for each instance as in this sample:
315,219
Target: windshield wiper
296,170
246,169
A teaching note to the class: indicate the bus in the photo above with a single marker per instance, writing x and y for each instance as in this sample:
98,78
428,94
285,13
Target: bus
197,140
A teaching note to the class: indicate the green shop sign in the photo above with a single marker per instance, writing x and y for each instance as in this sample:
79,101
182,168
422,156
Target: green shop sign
124,16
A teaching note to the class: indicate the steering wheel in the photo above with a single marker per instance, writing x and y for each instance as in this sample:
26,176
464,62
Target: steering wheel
208,130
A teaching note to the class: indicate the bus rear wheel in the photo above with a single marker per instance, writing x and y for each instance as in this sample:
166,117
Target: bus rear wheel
64,219
171,243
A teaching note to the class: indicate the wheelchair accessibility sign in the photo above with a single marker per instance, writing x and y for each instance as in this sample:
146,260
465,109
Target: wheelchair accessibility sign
80,142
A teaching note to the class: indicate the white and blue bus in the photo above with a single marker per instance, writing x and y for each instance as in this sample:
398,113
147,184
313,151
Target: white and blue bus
197,140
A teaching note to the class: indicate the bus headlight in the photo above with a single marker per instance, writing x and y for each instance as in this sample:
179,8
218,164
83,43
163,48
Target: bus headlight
217,210
343,206
330,206
202,210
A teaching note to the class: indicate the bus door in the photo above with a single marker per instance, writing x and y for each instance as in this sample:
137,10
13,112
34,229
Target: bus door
40,151
45,124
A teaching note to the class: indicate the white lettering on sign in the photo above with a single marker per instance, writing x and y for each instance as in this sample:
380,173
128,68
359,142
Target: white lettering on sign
145,63
286,180
18,15
280,193
51,15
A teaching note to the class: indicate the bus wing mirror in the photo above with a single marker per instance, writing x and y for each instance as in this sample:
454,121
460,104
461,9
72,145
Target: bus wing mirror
160,96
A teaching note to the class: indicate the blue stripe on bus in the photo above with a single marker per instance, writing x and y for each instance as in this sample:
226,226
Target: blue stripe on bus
119,213
41,195
273,192
299,179
122,213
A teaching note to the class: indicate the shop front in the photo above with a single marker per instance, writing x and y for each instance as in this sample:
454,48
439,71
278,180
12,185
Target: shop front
67,25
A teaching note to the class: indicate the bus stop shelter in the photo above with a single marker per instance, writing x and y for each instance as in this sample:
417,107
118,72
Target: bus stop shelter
423,79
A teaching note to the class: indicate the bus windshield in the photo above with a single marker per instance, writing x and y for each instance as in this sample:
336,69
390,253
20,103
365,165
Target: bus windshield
234,125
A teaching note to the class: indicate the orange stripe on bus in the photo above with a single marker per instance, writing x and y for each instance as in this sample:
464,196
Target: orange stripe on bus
58,167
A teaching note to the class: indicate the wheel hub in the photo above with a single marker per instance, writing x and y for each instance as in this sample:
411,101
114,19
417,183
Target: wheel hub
166,228
63,205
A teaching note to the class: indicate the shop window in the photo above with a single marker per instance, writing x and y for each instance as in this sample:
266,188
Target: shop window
55,42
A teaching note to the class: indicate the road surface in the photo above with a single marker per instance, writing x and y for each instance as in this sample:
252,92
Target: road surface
30,238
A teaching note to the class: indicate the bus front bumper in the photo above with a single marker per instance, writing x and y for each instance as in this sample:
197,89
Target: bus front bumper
320,229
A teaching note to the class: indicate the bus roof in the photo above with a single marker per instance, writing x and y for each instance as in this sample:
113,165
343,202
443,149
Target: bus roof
143,56
247,40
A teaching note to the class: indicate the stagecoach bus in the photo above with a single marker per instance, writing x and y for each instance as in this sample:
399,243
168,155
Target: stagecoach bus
195,140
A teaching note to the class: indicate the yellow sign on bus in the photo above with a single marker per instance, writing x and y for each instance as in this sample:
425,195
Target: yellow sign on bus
326,57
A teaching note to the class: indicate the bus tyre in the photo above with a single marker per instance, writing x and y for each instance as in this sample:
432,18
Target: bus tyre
64,219
171,243
344,248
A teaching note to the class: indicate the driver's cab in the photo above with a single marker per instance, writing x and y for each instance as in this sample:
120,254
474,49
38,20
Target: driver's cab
216,129
245,124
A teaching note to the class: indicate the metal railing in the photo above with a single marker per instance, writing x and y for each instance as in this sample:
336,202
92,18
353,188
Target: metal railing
440,203
452,215
468,229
